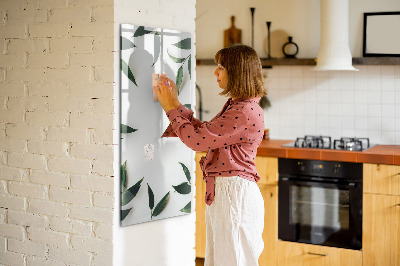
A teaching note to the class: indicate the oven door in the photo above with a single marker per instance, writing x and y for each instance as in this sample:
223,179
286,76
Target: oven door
315,211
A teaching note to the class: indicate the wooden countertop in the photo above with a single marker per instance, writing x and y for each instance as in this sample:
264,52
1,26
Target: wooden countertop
379,154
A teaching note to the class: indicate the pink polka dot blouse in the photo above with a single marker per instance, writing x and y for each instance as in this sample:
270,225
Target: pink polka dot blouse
231,139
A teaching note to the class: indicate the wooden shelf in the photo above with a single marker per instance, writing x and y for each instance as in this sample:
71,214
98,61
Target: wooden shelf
312,61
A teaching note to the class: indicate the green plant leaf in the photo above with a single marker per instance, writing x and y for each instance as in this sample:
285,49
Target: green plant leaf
130,193
176,60
179,77
183,188
151,197
184,44
157,47
160,206
127,129
124,213
186,171
140,32
187,208
123,177
126,44
127,71
188,105
190,66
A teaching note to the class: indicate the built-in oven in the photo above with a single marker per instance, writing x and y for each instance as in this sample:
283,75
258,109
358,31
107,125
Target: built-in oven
320,202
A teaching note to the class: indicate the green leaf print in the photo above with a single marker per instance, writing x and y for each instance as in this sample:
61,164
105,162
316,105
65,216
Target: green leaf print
127,71
179,77
176,60
186,171
160,206
140,32
130,193
123,177
188,105
184,44
151,197
187,208
124,213
127,129
126,44
157,47
190,66
183,188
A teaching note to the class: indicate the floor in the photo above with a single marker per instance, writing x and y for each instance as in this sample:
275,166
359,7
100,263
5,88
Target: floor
199,262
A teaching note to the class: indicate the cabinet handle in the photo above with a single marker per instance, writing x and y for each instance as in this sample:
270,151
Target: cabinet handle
398,204
318,254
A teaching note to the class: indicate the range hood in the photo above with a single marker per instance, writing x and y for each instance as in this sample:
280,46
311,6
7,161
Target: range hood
334,51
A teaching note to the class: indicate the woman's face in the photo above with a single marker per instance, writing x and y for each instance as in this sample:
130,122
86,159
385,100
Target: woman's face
222,76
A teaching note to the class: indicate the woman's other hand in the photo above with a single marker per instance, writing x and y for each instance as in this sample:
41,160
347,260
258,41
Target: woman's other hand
164,95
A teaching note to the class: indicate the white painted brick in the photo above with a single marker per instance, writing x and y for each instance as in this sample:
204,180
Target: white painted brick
29,16
18,46
69,256
93,3
27,104
27,247
103,200
93,182
3,158
27,190
92,29
102,168
95,59
67,134
49,88
12,202
103,136
93,151
91,214
48,237
3,213
49,178
47,119
10,258
48,4
28,219
81,105
48,30
103,260
91,121
27,160
3,103
26,74
103,44
79,197
12,117
52,60
3,245
36,261
24,132
68,15
91,244
11,60
103,74
12,89
69,74
47,147
11,173
12,4
91,90
12,231
71,44
70,165
102,14
2,74
47,207
71,226
13,31
3,188
103,231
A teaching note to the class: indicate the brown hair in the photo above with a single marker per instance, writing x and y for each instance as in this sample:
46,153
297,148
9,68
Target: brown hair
245,78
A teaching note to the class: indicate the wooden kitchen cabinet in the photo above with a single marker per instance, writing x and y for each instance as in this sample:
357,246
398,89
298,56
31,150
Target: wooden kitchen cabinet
298,254
381,179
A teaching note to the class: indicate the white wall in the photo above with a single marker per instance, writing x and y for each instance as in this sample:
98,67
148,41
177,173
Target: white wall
170,241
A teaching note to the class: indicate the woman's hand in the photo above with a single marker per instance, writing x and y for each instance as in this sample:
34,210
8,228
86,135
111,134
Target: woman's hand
174,90
164,95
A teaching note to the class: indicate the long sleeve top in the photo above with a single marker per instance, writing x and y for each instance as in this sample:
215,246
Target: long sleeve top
231,139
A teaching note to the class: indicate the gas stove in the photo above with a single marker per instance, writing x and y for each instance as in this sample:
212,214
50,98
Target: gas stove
325,142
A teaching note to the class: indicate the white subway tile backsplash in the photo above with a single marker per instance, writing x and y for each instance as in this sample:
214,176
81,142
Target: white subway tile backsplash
388,111
374,111
374,97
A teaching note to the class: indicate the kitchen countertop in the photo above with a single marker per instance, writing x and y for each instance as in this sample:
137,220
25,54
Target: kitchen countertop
379,154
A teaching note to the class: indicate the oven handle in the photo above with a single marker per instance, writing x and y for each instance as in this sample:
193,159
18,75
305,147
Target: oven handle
297,181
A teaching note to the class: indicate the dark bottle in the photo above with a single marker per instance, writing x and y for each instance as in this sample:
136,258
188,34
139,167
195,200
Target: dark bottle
290,49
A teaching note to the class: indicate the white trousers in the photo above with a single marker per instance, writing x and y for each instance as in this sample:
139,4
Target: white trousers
234,223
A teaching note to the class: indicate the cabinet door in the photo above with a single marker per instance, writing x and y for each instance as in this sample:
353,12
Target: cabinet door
200,209
381,179
297,254
381,230
270,233
267,168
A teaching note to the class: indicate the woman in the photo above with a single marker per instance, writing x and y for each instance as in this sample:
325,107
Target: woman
235,207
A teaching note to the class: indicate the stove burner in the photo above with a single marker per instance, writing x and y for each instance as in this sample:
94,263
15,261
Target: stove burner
351,144
308,141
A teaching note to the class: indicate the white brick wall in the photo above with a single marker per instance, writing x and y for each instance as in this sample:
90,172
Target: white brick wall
56,127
